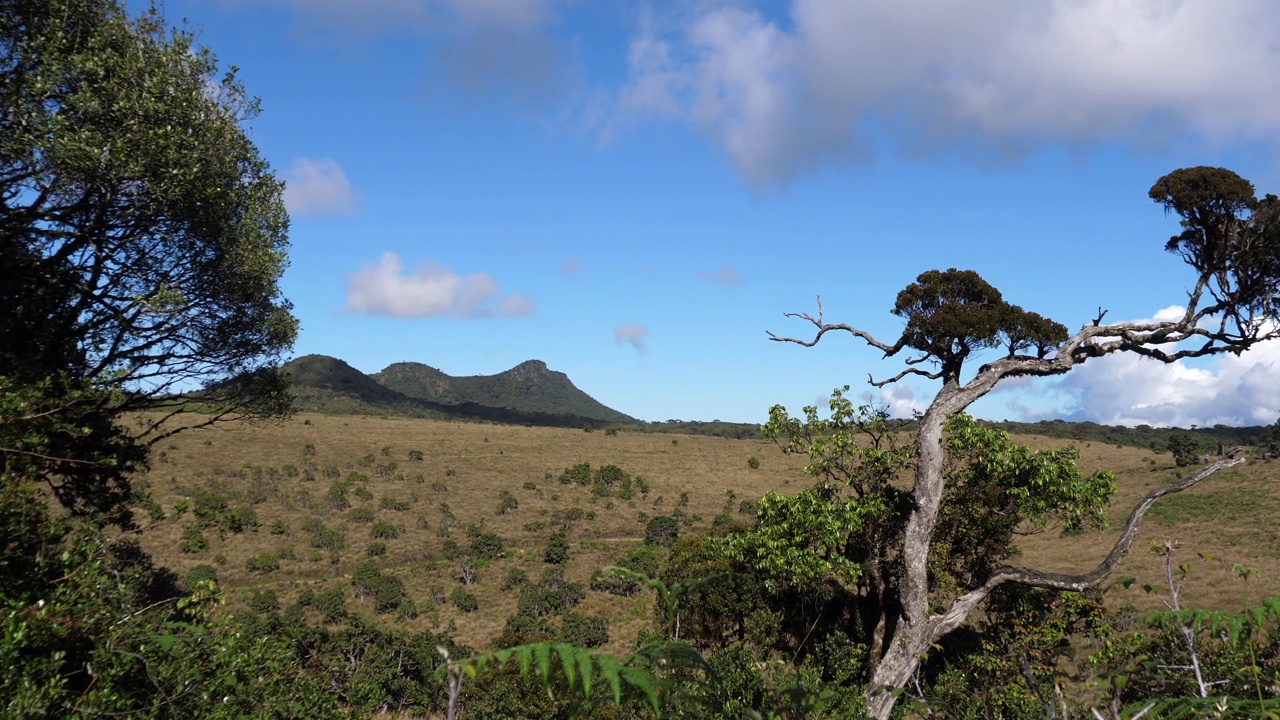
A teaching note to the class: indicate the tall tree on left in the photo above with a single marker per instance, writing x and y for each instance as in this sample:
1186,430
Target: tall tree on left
142,240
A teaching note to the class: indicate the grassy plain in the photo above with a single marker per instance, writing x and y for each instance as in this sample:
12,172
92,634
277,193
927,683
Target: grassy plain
285,473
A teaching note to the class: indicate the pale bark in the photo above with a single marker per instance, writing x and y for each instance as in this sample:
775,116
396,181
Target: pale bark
917,630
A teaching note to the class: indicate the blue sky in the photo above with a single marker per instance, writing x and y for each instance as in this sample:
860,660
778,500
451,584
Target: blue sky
635,193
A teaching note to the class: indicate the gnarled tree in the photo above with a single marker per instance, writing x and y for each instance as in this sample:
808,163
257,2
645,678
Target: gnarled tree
1229,237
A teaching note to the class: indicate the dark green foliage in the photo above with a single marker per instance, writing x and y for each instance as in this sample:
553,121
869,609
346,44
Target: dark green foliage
753,462
387,502
193,540
360,515
551,595
583,631
579,474
557,550
384,531
279,528
662,531
506,503
264,601
1185,450
515,579
263,563
487,545
197,575
376,549
322,537
332,605
337,496
464,600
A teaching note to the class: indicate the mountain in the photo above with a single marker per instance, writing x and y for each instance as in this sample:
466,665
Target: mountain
528,394
529,387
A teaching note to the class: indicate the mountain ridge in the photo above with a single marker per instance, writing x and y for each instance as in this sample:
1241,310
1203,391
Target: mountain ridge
529,393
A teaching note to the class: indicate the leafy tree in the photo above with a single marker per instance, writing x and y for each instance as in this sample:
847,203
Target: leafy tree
141,242
1184,448
1231,240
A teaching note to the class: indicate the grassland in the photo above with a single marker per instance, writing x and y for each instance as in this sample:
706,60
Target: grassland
410,478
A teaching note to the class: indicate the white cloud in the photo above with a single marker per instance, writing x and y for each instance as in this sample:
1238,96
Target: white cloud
902,401
723,275
784,96
1127,389
633,333
318,187
429,290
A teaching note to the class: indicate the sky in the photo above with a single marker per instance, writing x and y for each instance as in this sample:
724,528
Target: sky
635,193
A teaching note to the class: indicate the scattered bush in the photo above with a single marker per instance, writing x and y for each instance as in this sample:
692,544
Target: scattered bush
506,503
362,492
384,531
332,605
264,601
199,574
416,455
263,563
487,545
753,463
361,515
464,600
376,549
193,541
530,485
662,531
583,631
557,551
515,579
279,528
390,503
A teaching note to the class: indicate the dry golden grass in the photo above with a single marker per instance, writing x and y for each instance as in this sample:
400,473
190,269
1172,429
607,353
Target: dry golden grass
1232,515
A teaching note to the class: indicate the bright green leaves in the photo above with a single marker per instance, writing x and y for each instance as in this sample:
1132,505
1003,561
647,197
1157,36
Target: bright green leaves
800,540
1035,486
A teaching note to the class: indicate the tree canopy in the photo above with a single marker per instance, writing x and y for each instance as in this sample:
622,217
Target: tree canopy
142,241
1230,238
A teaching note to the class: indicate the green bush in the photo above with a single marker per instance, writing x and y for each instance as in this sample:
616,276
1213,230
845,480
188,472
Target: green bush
579,474
557,551
506,503
583,631
263,563
332,605
487,546
279,528
464,600
264,601
389,503
360,515
193,541
199,574
753,463
662,531
376,549
530,485
384,531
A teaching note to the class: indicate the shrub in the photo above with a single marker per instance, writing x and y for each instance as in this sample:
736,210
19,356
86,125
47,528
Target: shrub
583,631
464,600
552,594
337,496
579,474
753,463
610,432
506,503
415,455
384,531
366,579
264,601
332,605
530,485
199,574
557,551
193,541
360,515
389,596
390,503
376,549
515,579
263,563
487,546
662,531
279,528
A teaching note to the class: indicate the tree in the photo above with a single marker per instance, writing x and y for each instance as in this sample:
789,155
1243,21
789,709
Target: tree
141,242
1229,238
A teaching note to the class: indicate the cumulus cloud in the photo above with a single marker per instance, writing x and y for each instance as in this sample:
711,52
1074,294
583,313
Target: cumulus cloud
782,96
723,275
318,187
429,290
634,334
1127,389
